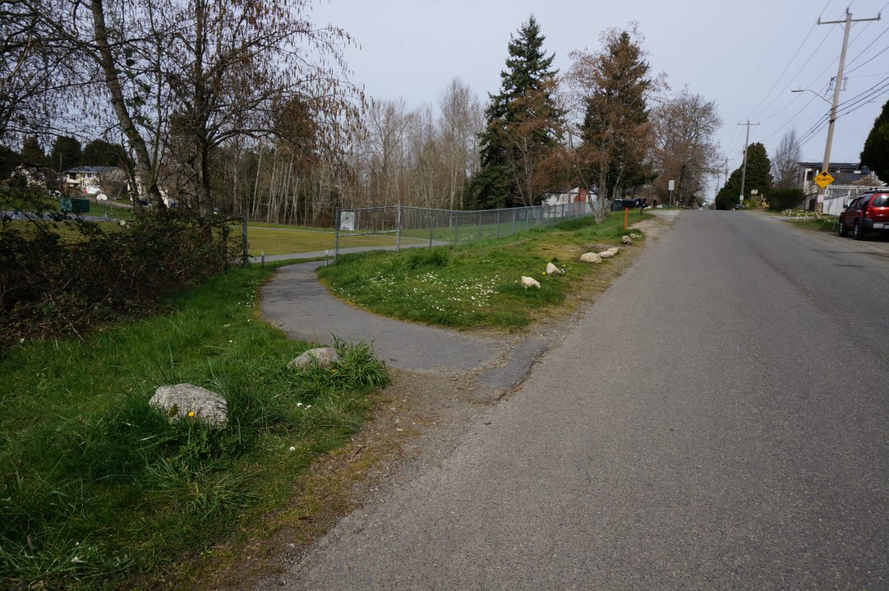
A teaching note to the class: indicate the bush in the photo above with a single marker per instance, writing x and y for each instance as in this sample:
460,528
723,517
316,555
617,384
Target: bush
781,199
62,275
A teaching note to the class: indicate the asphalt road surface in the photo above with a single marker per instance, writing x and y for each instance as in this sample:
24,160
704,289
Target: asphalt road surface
718,419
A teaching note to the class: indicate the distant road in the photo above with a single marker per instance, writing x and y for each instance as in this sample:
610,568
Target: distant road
718,419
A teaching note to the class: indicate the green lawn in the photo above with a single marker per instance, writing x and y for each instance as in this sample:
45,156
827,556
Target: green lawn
280,241
473,285
98,490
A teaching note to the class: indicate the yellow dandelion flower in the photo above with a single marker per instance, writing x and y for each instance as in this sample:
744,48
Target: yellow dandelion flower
191,413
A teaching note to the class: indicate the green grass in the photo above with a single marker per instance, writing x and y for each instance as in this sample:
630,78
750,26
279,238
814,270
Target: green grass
281,241
475,285
97,488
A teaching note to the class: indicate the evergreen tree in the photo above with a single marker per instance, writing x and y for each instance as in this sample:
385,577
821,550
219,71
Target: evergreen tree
528,80
32,151
875,154
615,129
102,153
758,178
65,153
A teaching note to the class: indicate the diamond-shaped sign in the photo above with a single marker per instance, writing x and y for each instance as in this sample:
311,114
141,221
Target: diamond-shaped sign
823,179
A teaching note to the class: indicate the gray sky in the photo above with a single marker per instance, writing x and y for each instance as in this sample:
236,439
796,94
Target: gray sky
733,53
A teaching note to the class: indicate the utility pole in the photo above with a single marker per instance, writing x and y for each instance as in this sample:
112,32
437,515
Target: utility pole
744,168
836,91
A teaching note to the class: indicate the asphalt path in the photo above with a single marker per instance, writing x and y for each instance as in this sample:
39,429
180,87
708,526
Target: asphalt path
717,419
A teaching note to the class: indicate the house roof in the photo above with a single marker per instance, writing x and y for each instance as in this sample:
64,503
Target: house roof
91,169
832,166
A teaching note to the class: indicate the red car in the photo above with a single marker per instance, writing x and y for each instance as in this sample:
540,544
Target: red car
866,213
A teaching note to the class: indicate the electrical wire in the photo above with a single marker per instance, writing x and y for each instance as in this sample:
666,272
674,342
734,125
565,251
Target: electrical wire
787,67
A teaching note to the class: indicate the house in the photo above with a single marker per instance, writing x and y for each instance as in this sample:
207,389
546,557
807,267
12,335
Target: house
849,178
575,195
36,175
575,202
93,180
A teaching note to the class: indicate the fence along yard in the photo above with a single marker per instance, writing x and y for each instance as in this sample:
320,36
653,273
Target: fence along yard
424,226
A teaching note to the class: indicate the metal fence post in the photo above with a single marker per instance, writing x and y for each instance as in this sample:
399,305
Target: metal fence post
336,234
398,229
479,227
244,235
498,223
514,216
456,217
431,226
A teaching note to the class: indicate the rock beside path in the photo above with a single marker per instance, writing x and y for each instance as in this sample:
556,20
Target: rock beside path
590,257
187,401
606,254
324,356
551,269
530,282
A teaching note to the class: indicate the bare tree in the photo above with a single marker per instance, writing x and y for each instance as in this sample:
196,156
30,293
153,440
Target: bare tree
684,148
785,165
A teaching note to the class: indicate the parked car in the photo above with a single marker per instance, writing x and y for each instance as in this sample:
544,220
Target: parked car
866,213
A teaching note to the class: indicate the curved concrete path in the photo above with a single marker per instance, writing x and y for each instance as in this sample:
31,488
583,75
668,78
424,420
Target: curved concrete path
297,303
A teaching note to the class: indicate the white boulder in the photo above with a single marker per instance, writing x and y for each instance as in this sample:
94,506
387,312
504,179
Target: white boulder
614,249
590,257
530,282
324,356
606,254
551,269
626,239
187,401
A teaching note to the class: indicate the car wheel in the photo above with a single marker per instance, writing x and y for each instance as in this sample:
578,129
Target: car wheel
844,231
857,231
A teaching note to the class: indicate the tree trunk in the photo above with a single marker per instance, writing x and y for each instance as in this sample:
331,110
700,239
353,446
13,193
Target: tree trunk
144,165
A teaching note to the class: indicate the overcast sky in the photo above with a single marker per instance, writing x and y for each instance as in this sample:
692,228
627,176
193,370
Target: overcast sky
733,53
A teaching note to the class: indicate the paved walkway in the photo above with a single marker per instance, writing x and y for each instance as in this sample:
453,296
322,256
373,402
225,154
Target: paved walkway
297,303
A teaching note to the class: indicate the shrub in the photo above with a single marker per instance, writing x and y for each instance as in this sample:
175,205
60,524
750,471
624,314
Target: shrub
62,275
781,199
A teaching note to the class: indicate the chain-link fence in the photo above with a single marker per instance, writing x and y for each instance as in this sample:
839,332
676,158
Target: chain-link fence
398,226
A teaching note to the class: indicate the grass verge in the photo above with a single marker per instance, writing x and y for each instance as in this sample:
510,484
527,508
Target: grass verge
98,490
476,285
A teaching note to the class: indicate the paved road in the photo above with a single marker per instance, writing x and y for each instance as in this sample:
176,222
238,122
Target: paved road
717,420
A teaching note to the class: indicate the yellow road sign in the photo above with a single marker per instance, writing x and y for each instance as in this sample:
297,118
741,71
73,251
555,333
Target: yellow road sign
823,179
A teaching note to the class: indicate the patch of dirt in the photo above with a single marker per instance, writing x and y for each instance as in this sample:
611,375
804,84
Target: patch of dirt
416,422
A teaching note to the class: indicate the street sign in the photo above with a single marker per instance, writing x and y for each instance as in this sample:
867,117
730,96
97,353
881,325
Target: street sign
823,179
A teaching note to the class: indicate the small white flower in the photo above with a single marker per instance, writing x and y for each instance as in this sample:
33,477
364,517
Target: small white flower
308,407
299,403
292,448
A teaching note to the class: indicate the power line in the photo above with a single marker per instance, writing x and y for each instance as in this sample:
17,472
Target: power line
787,67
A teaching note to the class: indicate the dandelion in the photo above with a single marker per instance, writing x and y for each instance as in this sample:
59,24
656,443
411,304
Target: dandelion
191,413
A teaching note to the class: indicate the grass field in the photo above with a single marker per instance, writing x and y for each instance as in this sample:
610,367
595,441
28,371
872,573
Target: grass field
99,491
473,285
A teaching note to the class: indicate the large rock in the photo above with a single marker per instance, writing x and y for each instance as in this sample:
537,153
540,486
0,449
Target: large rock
187,401
614,249
324,356
530,282
606,254
590,257
626,239
551,269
